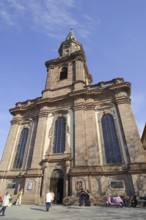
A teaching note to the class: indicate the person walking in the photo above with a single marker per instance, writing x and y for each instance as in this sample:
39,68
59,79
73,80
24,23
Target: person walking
19,197
48,200
5,203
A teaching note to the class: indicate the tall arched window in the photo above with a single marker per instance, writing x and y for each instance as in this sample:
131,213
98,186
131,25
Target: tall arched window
21,149
59,135
112,149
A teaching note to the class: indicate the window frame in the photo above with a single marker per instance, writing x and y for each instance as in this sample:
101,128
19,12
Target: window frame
63,73
13,184
21,148
111,143
60,146
117,181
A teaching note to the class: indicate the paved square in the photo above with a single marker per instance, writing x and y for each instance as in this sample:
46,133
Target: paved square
58,212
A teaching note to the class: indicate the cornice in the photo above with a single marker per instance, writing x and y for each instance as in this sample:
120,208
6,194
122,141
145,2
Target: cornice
119,94
109,169
63,87
122,100
74,56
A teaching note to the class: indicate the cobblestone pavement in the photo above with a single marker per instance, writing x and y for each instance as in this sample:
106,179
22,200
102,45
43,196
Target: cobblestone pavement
58,212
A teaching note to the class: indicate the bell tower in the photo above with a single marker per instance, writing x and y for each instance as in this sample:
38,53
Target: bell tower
69,71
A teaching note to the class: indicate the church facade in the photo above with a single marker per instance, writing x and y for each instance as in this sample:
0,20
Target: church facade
76,135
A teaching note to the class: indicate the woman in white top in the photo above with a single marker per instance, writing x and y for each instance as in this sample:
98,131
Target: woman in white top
5,203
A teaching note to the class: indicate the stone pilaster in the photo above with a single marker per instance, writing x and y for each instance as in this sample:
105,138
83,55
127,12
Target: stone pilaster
66,183
49,78
9,147
131,133
79,70
39,141
44,179
80,145
79,75
91,138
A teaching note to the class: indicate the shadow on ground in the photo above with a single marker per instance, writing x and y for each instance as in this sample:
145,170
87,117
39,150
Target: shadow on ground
37,209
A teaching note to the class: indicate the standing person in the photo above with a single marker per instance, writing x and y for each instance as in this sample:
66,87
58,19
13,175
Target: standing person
82,197
87,198
5,203
19,197
1,199
48,200
134,201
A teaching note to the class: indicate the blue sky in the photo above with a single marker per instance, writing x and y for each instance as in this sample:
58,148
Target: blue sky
113,34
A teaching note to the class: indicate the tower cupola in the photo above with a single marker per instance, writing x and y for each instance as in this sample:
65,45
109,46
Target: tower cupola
71,35
70,45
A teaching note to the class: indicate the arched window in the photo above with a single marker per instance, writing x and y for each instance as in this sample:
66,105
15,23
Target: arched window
63,73
112,149
59,135
21,149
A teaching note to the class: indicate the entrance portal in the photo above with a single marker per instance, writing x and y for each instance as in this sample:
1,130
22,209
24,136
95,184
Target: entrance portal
56,185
